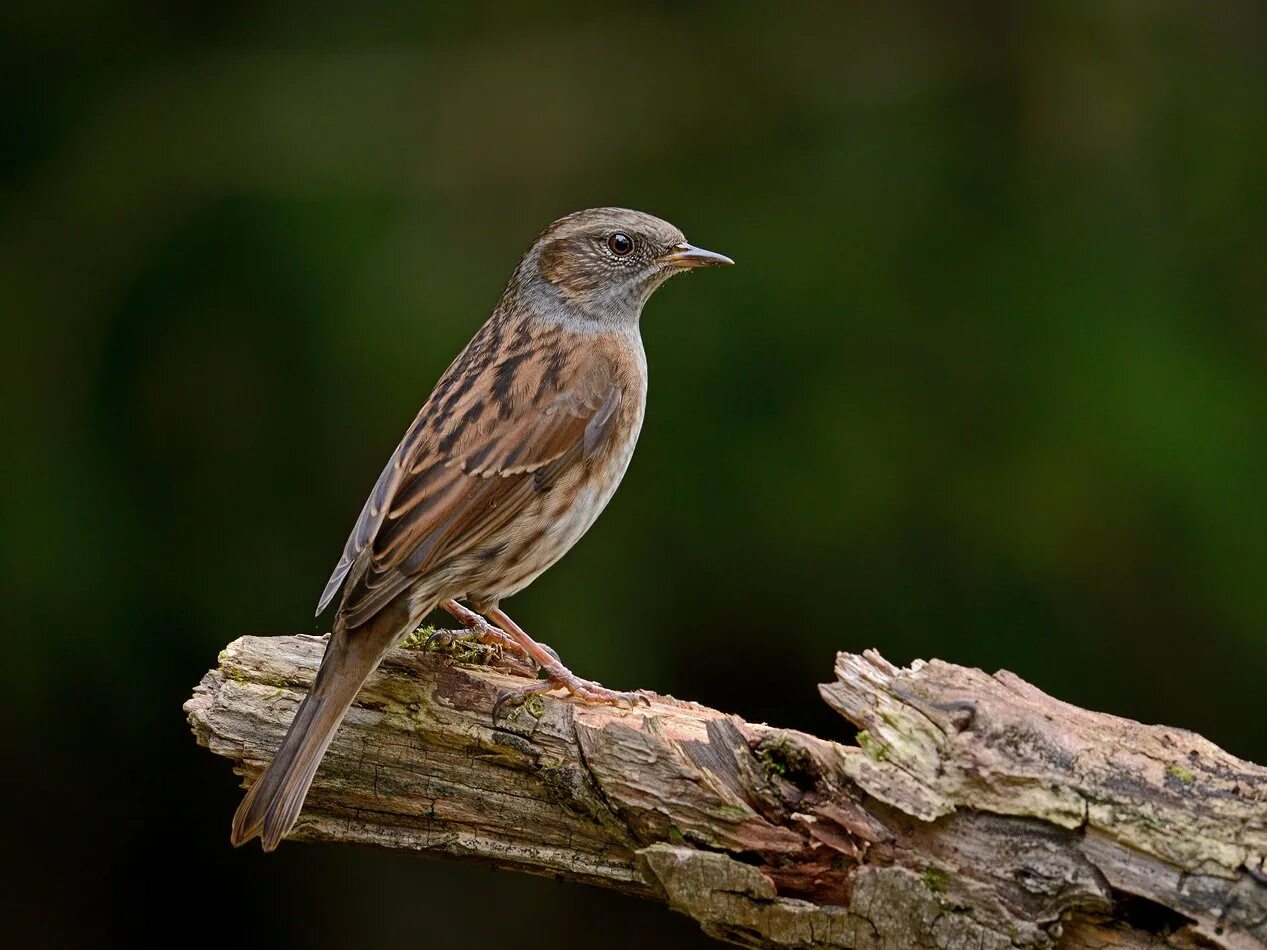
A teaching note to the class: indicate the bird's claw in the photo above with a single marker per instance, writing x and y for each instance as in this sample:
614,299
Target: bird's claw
517,697
484,634
468,647
585,690
442,637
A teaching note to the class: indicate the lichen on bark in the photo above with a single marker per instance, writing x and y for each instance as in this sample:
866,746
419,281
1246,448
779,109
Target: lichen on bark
974,810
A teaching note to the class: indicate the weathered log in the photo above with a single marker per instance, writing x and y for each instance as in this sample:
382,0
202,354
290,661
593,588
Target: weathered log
974,810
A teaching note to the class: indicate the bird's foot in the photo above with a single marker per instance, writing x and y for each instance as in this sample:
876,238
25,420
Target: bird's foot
560,677
462,646
478,629
484,643
486,633
490,636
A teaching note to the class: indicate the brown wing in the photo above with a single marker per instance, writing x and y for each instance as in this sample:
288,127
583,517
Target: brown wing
497,431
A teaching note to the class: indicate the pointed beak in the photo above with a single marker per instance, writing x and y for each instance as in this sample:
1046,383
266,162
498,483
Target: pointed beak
686,256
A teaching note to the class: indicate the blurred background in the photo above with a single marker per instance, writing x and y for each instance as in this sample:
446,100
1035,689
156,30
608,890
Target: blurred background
989,383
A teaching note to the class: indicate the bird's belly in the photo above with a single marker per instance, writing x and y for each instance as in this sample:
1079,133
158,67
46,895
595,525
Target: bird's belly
550,526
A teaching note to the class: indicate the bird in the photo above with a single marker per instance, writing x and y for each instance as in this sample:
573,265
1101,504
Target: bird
518,448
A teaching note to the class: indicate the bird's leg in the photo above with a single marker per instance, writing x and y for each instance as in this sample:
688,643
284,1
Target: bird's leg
558,676
481,629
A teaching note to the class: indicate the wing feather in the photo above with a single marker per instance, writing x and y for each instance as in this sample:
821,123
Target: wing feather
471,463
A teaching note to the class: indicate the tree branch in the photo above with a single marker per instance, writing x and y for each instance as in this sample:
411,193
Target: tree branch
974,811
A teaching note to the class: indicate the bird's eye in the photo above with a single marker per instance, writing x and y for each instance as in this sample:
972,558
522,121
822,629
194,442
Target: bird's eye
620,243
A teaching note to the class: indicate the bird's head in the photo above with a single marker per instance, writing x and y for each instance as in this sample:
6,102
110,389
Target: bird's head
606,262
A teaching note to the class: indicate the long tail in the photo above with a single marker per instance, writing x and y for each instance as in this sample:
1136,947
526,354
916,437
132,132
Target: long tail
271,806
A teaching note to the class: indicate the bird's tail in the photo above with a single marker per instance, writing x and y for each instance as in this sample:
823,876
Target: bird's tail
271,806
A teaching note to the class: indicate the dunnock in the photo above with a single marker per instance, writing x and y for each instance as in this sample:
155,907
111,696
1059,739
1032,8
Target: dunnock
512,457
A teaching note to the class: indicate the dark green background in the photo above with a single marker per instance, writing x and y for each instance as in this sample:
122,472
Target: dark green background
989,383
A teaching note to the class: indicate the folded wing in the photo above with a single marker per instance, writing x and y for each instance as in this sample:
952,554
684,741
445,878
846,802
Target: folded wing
488,440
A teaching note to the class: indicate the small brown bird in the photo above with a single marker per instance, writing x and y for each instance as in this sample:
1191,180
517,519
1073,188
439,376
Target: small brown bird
516,451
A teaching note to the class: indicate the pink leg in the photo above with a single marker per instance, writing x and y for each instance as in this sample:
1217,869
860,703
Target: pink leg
484,631
558,675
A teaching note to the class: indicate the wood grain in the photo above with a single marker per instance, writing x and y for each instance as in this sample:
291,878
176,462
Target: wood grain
974,810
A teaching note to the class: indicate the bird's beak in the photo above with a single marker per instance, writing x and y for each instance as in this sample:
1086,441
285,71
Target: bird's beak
687,256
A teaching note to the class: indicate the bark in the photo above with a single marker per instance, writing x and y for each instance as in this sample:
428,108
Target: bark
972,810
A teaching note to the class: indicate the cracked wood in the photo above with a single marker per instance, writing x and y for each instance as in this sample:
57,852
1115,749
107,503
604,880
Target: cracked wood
974,810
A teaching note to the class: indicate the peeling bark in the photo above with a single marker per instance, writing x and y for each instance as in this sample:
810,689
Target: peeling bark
975,811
